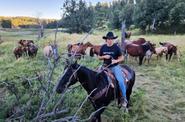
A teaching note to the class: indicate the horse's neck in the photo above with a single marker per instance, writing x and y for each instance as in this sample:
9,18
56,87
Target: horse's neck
145,47
87,78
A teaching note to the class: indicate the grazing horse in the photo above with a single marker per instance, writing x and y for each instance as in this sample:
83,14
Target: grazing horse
48,51
32,50
78,49
96,84
160,50
18,51
172,49
95,49
140,50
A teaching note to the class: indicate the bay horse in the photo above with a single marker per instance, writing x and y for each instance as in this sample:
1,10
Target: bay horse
94,82
78,49
172,49
140,50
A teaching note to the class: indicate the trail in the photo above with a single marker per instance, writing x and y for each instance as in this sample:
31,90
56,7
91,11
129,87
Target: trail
161,101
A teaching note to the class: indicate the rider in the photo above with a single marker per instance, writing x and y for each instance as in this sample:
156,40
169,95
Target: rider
112,56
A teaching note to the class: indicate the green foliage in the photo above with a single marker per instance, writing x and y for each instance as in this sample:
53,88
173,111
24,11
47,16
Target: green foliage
78,17
6,24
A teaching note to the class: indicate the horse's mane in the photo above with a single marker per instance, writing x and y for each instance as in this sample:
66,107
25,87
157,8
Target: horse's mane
97,79
145,46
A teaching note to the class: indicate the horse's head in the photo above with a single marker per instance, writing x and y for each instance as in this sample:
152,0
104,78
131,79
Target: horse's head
174,49
69,77
151,46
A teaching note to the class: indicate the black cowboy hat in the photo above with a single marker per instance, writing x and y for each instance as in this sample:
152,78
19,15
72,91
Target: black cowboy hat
110,35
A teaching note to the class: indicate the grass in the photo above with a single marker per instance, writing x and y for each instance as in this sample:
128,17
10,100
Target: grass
158,94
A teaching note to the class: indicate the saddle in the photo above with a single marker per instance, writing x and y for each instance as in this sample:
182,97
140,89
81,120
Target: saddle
112,82
112,79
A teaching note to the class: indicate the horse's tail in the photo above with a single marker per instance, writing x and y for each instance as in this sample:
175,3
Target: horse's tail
92,52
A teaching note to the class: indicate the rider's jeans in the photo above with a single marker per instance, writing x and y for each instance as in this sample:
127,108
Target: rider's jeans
119,76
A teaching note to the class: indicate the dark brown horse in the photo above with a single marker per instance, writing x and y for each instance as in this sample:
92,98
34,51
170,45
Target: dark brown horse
172,49
140,50
78,49
32,50
18,52
96,85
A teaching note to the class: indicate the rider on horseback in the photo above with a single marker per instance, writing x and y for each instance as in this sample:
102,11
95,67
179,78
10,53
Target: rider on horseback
112,56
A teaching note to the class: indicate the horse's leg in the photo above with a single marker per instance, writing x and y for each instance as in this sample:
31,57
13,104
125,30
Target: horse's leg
170,56
97,116
166,57
140,59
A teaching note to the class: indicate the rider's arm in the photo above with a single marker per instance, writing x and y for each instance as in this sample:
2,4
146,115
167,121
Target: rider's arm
120,59
104,57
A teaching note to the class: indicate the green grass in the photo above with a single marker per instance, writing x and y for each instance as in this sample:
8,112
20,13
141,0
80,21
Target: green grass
158,94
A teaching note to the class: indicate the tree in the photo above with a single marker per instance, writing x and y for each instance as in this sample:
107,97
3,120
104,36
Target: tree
126,14
101,12
78,17
177,16
6,24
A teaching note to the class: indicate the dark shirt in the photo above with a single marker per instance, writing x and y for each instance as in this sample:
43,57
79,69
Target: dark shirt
114,51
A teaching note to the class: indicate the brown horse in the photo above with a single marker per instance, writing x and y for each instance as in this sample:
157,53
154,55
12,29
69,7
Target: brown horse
172,49
32,50
140,50
139,41
18,51
95,49
78,49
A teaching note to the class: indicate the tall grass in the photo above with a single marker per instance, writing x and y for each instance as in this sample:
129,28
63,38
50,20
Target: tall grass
158,94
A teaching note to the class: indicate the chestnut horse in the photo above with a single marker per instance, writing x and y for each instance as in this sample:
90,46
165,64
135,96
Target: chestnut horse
139,41
78,49
140,50
172,49
95,49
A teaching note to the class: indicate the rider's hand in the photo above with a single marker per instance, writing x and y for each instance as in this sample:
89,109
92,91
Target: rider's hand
114,61
106,56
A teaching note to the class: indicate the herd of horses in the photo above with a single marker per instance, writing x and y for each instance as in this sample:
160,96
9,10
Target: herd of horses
137,48
25,47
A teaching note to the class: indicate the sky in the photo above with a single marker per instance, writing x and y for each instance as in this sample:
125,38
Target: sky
35,8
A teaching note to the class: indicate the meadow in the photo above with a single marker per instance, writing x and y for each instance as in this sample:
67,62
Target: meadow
158,93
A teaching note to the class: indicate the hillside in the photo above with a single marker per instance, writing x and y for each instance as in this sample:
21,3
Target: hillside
21,20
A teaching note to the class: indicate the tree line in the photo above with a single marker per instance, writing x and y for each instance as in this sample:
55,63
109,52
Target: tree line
25,22
159,16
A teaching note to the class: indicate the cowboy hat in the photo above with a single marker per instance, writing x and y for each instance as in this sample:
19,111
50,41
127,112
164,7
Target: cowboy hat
110,35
